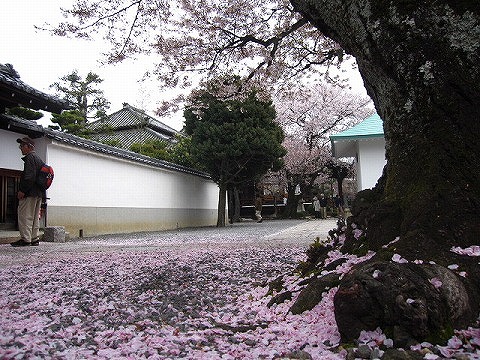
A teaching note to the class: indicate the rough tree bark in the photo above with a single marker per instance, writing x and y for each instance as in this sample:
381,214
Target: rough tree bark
236,202
290,210
222,201
420,65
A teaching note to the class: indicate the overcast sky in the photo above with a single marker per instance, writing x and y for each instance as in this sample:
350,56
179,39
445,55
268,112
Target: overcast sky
41,59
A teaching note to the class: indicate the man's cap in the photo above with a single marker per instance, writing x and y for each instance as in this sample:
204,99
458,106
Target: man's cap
26,140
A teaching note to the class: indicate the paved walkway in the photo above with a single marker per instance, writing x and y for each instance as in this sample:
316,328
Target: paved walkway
274,233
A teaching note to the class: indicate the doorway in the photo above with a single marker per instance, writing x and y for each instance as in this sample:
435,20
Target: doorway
9,180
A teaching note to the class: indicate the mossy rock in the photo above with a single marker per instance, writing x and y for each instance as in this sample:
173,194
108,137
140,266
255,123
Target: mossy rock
275,286
312,294
280,298
402,298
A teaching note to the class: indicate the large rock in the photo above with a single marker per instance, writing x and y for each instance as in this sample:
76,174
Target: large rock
312,294
409,302
54,234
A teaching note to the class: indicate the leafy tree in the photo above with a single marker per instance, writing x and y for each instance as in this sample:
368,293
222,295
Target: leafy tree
83,94
303,166
157,149
112,142
313,112
70,121
234,138
420,65
210,37
25,113
180,152
339,170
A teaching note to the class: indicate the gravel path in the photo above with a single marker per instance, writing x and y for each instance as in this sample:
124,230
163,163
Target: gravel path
278,233
189,293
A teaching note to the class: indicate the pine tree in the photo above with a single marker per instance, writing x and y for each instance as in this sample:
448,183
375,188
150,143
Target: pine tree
87,100
234,139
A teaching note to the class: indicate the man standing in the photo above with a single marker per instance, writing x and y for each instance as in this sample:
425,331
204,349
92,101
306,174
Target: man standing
323,206
339,205
30,195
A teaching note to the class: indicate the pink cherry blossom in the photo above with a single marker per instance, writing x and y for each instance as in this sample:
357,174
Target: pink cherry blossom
189,299
436,282
398,259
473,250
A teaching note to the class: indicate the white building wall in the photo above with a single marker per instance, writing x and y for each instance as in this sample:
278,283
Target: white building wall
370,162
93,193
10,154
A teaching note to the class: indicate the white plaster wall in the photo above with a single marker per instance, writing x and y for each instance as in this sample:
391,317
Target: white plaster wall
87,178
95,193
371,160
10,154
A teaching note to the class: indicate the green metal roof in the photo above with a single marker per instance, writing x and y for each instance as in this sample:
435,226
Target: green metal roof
370,127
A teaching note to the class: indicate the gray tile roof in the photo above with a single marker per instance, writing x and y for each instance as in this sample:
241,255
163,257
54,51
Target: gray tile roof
120,153
14,92
32,129
21,126
130,125
128,137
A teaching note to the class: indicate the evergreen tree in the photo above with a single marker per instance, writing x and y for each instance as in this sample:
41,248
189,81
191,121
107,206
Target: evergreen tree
234,140
157,149
181,152
87,100
25,113
70,121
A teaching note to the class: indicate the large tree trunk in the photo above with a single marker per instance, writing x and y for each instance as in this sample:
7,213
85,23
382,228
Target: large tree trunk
236,213
222,201
291,208
420,64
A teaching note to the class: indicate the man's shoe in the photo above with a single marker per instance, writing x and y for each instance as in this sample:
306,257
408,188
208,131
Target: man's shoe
35,242
20,242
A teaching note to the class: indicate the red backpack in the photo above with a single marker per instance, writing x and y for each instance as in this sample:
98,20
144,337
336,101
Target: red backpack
45,176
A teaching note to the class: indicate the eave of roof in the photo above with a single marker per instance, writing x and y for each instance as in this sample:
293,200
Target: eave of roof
14,92
119,153
369,128
21,126
344,144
